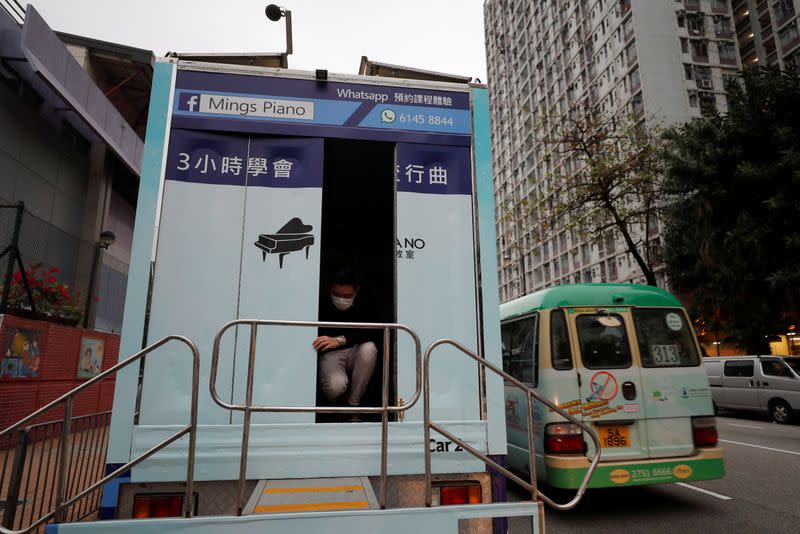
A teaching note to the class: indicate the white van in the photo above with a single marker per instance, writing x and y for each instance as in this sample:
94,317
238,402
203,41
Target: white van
768,384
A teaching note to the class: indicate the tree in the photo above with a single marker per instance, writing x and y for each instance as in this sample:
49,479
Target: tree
732,237
517,214
614,167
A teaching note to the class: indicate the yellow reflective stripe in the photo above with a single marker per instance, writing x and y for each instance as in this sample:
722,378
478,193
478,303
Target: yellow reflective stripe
313,489
319,507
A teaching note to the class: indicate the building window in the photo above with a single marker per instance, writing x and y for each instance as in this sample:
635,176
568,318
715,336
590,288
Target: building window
722,26
700,50
728,77
630,52
612,270
637,105
719,6
703,76
627,28
696,24
727,53
635,80
784,9
789,36
793,61
708,104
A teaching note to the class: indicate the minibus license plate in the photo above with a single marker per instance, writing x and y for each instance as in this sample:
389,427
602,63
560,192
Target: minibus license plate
614,436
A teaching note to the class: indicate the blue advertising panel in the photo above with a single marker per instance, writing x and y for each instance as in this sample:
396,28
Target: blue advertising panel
204,158
233,102
433,169
435,269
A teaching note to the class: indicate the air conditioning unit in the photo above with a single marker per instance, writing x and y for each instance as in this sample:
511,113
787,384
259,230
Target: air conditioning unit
705,83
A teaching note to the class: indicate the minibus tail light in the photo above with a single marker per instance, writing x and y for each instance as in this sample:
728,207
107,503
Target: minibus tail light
564,438
704,431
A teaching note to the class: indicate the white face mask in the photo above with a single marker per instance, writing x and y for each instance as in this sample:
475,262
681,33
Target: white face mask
342,303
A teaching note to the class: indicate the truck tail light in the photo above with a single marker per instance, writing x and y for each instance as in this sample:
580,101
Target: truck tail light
456,493
704,431
564,438
161,505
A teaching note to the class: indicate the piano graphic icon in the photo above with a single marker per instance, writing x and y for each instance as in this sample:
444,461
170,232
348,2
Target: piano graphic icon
293,236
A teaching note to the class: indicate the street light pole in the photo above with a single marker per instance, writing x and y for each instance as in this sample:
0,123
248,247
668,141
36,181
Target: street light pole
107,239
275,13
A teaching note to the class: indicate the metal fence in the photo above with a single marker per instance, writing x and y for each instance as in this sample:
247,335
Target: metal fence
27,241
29,468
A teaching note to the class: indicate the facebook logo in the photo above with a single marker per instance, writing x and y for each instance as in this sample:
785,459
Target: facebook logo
189,102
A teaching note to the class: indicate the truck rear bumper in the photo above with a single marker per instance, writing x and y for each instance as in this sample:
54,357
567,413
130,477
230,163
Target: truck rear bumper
438,519
568,471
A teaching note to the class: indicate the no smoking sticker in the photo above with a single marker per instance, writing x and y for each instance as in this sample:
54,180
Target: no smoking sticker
604,386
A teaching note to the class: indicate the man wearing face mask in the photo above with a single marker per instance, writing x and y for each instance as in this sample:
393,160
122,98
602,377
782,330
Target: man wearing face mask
347,356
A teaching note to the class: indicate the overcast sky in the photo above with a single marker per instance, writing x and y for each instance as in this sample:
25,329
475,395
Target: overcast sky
440,35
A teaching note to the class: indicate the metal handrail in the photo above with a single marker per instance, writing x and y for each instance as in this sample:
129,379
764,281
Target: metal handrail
35,436
45,423
62,503
531,394
249,408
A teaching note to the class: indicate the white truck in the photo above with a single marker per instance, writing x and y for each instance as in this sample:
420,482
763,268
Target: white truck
256,182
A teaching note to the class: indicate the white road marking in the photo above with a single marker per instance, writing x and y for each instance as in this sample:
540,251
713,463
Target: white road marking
759,446
707,492
747,426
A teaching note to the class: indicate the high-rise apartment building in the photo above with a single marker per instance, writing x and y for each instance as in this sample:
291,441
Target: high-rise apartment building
767,32
663,60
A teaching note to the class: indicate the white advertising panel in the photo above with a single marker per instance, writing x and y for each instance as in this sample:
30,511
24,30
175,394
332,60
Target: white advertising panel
280,276
233,245
436,271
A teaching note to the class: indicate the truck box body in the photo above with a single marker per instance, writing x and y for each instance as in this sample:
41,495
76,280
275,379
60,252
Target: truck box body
256,182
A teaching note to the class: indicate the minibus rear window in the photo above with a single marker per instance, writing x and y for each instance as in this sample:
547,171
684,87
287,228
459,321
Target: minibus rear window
559,341
665,338
520,349
603,341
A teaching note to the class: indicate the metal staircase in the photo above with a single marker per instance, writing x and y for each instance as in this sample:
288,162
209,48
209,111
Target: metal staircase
278,497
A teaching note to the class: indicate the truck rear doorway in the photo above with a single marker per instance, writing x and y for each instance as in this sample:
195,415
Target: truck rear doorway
358,229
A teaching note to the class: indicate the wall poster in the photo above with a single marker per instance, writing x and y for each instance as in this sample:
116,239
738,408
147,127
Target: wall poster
22,355
90,361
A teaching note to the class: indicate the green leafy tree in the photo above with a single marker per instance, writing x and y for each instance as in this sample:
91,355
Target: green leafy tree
614,167
518,215
732,238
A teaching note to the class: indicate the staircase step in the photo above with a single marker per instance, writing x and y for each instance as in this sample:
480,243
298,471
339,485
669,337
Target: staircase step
311,495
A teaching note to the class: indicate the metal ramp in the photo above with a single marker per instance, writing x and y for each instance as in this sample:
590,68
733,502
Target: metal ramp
311,495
